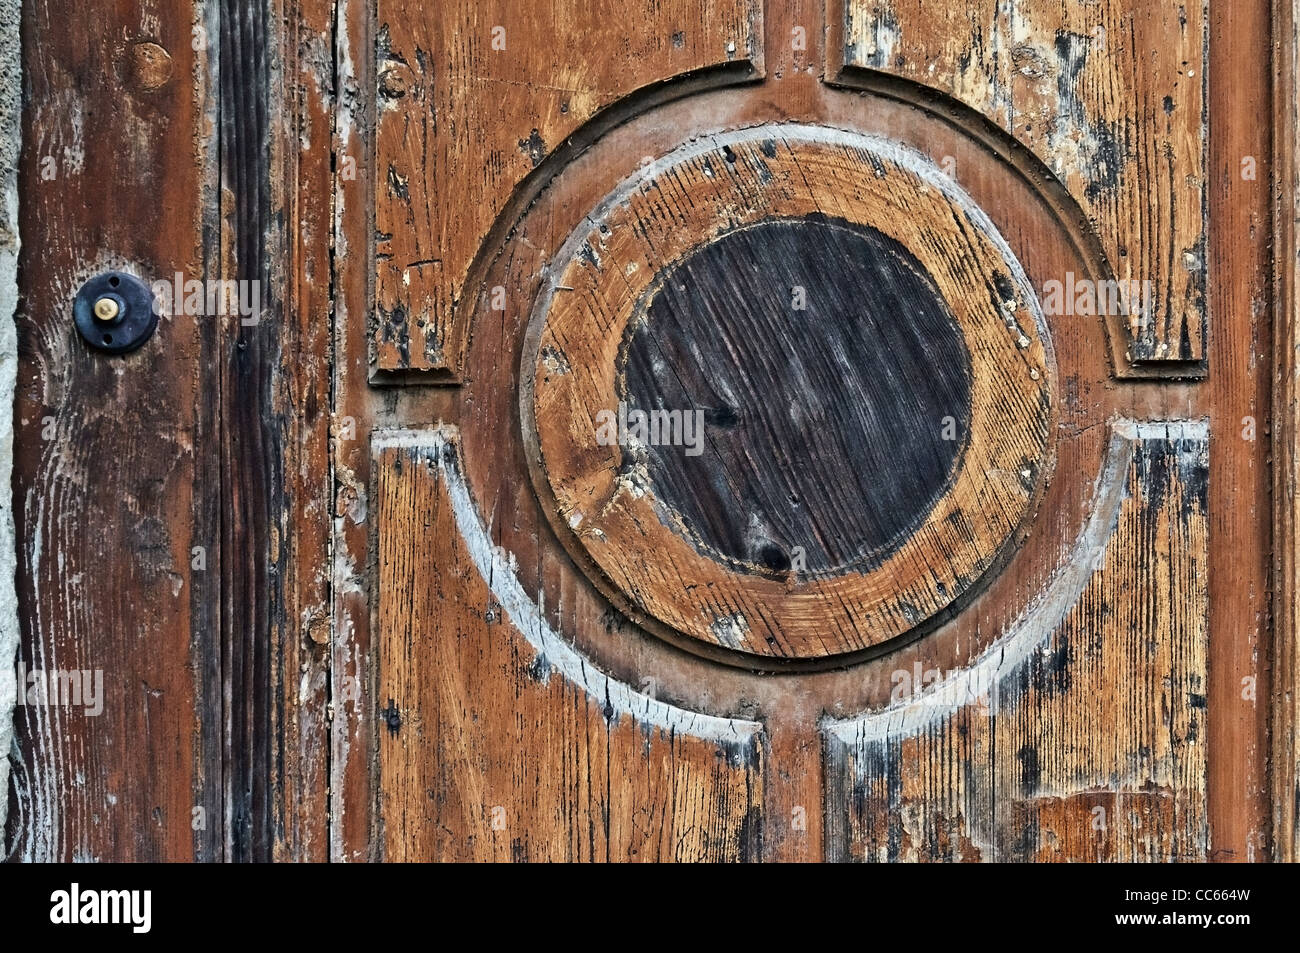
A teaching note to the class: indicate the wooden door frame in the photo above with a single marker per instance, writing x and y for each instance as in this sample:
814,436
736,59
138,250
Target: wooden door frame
1285,681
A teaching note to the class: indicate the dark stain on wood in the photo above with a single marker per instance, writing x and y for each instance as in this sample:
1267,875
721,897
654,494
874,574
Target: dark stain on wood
252,472
392,717
601,500
835,390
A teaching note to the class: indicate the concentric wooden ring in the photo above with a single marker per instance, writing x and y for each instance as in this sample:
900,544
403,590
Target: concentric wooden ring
618,507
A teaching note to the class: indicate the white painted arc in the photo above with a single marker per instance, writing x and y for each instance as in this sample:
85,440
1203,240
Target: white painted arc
498,569
1029,633
1037,622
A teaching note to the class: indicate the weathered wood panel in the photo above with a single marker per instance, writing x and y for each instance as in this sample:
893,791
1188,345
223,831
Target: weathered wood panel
213,436
497,741
302,185
1237,395
474,96
1109,95
1082,735
824,451
485,409
108,496
251,499
10,143
351,675
186,631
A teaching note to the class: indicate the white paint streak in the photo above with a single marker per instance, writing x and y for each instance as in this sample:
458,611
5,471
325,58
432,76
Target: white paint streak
347,666
497,568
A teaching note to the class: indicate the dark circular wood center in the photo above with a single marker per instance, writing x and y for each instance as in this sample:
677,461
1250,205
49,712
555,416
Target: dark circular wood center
832,383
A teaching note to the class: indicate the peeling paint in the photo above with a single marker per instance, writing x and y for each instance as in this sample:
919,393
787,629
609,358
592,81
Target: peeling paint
10,113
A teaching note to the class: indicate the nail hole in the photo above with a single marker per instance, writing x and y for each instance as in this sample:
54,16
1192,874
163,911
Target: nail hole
108,339
724,417
114,281
774,558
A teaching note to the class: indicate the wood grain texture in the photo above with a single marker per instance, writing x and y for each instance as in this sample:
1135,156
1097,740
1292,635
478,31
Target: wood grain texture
790,705
183,592
1285,686
497,746
251,499
485,407
107,488
796,450
352,737
1237,393
613,268
216,685
302,183
11,109
1110,96
1082,736
472,97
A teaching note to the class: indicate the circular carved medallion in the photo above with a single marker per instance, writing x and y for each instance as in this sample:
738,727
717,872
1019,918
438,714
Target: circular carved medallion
788,393
815,398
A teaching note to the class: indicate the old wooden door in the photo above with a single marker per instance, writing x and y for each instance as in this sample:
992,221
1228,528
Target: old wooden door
743,430
941,536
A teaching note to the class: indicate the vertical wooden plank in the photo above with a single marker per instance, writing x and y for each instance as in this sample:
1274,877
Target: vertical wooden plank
11,105
1285,683
188,621
208,550
1239,393
302,156
352,729
498,741
107,449
252,468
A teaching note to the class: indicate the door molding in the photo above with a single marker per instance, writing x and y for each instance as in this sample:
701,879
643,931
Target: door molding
1285,688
